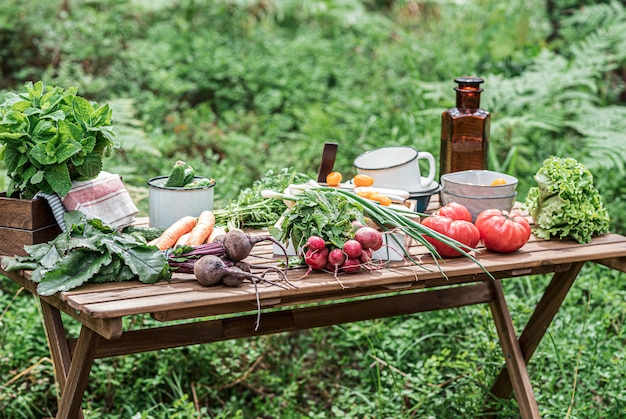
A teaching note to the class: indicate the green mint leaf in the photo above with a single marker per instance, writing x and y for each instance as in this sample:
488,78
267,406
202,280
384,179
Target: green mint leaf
57,115
41,153
82,109
101,116
37,177
91,166
58,177
66,150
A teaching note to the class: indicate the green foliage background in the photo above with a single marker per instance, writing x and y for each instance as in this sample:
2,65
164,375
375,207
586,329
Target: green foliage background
237,87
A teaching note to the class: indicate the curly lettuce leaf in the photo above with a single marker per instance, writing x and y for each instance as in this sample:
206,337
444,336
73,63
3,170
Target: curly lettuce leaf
565,202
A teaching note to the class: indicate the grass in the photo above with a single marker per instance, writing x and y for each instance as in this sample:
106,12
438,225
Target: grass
437,364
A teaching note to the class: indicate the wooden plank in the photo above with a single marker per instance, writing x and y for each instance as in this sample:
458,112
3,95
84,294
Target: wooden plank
12,240
118,299
613,263
150,299
193,311
208,331
26,214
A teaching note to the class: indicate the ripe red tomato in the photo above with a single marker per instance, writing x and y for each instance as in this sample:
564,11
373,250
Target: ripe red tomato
455,211
462,231
503,231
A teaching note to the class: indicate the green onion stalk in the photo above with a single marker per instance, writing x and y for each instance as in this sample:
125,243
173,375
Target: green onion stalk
399,219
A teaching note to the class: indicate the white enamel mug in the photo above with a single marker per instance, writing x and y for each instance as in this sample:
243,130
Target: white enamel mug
397,167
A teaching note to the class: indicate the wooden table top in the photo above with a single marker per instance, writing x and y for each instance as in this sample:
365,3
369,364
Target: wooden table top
184,297
179,297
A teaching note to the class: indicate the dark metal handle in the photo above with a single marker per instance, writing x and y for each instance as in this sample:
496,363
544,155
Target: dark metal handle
328,161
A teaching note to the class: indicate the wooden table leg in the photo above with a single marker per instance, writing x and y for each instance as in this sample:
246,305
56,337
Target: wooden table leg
538,323
78,374
59,348
513,354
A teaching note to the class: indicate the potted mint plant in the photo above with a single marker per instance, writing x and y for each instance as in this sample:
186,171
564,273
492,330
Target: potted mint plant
50,136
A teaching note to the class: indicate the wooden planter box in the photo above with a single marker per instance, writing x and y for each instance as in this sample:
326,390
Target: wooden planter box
25,222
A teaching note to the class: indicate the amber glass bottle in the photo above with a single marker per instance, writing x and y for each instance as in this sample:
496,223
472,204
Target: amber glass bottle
465,130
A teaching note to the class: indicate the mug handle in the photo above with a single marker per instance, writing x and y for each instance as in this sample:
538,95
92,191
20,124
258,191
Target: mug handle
432,166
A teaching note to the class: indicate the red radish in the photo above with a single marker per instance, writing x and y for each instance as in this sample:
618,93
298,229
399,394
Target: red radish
351,266
357,224
366,256
369,237
352,249
336,257
315,243
316,259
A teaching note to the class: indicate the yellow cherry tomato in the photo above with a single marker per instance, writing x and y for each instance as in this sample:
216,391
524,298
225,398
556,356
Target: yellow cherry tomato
498,181
381,199
363,180
364,194
333,179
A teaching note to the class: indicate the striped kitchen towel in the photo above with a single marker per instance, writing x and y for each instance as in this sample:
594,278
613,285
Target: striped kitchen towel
104,198
56,206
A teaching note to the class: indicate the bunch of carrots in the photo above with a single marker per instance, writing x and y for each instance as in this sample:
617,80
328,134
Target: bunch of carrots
189,231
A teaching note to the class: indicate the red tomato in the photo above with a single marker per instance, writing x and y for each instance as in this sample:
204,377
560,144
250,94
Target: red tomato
455,211
462,231
502,231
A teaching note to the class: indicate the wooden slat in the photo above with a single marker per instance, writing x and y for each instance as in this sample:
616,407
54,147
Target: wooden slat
192,311
187,293
614,263
292,319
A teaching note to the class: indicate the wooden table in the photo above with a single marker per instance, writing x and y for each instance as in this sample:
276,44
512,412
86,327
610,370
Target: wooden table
230,313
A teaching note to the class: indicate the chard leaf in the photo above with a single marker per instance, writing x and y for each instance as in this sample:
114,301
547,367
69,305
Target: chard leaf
10,264
73,270
142,260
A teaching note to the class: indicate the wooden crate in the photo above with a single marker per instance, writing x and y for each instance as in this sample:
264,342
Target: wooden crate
25,222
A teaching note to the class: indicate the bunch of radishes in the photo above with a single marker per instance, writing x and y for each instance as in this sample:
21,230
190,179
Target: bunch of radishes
350,258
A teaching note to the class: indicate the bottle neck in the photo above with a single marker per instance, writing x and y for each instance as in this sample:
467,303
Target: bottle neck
468,97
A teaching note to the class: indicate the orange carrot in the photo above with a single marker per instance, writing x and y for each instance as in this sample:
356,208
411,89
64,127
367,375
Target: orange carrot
203,228
183,240
172,233
217,231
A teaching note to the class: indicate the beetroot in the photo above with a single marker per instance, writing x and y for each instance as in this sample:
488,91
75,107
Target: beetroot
213,270
336,258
